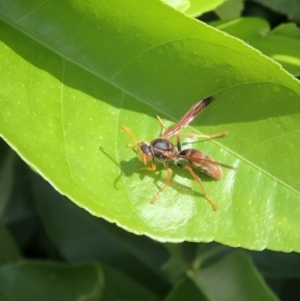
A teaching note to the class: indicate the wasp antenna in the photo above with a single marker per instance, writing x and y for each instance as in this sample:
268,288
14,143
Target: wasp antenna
130,134
133,138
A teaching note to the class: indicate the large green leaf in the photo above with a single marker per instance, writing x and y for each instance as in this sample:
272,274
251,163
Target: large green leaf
84,69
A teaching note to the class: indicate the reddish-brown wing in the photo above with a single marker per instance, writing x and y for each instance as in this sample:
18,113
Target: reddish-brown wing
194,111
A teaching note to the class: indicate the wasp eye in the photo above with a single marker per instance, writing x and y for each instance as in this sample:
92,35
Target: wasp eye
146,149
144,152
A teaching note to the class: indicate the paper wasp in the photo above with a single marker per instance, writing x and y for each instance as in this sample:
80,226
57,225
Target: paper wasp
163,150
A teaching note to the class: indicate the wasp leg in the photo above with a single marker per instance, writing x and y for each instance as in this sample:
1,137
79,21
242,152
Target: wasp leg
179,145
150,168
169,170
164,128
198,180
193,136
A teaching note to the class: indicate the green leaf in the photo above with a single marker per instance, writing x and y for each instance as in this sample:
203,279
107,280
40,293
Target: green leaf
277,264
230,9
186,290
50,281
8,250
120,287
197,7
7,161
180,5
86,71
280,44
176,265
233,278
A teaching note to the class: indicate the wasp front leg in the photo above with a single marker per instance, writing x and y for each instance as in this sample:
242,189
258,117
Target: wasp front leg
153,168
169,170
150,168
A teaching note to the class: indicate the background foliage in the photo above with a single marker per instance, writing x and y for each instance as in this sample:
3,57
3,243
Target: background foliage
71,79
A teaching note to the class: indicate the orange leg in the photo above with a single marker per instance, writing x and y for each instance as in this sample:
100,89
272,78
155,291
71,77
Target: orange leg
197,179
161,124
150,168
169,170
193,136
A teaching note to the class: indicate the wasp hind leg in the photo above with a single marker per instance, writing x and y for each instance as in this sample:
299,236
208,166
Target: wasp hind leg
198,180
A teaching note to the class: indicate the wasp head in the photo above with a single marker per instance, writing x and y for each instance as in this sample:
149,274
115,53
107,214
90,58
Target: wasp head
144,152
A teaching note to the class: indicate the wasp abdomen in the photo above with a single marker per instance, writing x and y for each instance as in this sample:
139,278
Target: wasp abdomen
202,161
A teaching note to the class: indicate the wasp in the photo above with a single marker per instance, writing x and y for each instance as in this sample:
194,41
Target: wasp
163,150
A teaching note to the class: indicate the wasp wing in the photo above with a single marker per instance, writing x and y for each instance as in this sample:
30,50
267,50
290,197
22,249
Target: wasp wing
194,111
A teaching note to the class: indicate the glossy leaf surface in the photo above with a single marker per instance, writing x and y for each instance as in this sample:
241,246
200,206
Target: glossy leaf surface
77,76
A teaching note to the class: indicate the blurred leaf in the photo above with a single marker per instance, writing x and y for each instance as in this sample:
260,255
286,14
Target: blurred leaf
230,9
20,206
8,249
207,254
84,238
281,44
277,264
50,281
176,265
180,5
118,66
186,290
19,215
291,8
119,287
233,278
7,160
197,8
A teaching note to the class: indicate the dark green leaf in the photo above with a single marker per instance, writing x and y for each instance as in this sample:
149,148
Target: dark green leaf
291,8
234,278
186,290
50,281
119,287
7,161
8,249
